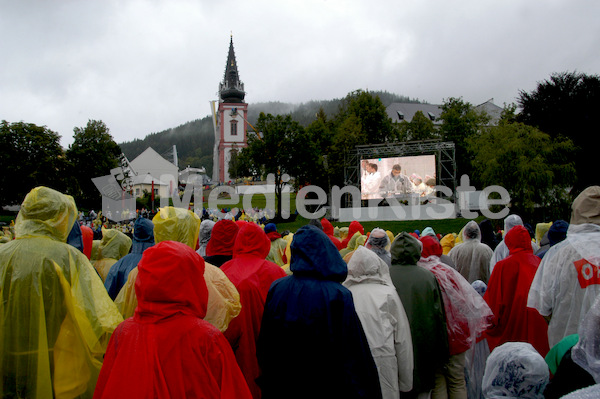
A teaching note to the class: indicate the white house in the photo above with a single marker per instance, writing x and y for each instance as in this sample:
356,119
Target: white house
160,170
145,182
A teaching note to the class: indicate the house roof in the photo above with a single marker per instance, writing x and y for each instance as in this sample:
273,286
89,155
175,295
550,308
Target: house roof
151,160
406,111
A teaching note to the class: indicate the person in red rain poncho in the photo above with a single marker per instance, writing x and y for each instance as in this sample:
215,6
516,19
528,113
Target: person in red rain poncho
353,229
328,229
220,246
166,350
467,316
507,293
87,236
252,275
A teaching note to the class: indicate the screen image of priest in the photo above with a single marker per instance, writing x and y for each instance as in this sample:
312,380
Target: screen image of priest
400,177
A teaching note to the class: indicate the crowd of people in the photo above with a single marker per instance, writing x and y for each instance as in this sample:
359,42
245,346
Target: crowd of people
181,306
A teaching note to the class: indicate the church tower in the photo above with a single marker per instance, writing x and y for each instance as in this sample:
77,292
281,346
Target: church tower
231,116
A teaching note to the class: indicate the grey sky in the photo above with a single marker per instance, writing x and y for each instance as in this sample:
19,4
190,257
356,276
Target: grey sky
145,66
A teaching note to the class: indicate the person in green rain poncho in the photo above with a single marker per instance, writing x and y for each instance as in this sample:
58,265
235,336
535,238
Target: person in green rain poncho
113,246
55,315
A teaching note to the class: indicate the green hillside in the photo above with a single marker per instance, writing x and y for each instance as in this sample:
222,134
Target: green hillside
195,139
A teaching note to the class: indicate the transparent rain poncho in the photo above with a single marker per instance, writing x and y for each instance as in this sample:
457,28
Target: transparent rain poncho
379,242
515,370
565,284
586,352
467,314
56,317
471,257
204,236
179,224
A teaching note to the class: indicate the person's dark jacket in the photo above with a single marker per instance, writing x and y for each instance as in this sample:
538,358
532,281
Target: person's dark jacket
310,331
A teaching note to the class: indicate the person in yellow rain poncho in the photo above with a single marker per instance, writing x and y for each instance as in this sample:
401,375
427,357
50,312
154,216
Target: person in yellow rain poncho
356,240
55,315
113,246
179,224
288,253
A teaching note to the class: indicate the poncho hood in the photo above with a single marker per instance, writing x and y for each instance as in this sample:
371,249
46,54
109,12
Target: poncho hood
252,241
313,254
170,281
327,227
114,244
405,250
367,267
205,231
46,212
143,235
176,224
586,207
431,247
518,240
510,222
222,238
471,232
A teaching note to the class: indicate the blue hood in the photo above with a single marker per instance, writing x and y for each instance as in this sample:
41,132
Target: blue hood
75,237
143,235
314,255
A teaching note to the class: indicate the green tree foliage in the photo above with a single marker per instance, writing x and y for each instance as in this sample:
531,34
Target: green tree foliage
460,122
567,105
535,168
419,128
282,148
93,154
30,156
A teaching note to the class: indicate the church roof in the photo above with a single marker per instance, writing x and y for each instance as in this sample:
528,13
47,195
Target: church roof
231,90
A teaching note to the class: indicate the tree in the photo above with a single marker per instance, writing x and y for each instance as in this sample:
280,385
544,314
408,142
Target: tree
93,154
535,168
30,156
567,105
419,128
281,147
460,121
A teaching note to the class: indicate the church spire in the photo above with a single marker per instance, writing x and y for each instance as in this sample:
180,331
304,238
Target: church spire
231,90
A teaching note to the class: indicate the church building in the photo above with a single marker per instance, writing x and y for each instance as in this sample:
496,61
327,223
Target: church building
230,119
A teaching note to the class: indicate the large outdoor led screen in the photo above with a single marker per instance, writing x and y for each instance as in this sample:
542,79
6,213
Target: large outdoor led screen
399,177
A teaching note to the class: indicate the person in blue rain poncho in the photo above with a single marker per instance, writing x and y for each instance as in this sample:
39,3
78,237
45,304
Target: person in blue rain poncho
311,342
143,238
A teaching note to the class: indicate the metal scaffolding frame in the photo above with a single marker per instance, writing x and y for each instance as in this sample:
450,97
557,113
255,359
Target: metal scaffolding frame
443,150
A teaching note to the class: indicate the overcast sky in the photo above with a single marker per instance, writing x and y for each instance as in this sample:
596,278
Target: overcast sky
146,66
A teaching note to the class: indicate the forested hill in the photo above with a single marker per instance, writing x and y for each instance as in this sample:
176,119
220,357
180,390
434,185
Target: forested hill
195,140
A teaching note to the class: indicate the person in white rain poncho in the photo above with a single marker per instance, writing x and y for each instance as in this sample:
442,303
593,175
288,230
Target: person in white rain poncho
515,370
204,236
567,280
472,258
501,251
383,319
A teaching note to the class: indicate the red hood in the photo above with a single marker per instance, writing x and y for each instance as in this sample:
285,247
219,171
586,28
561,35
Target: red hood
170,281
328,227
222,238
431,246
87,236
251,240
354,227
518,239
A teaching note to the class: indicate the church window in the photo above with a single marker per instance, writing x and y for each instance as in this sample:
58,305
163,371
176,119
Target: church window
234,128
